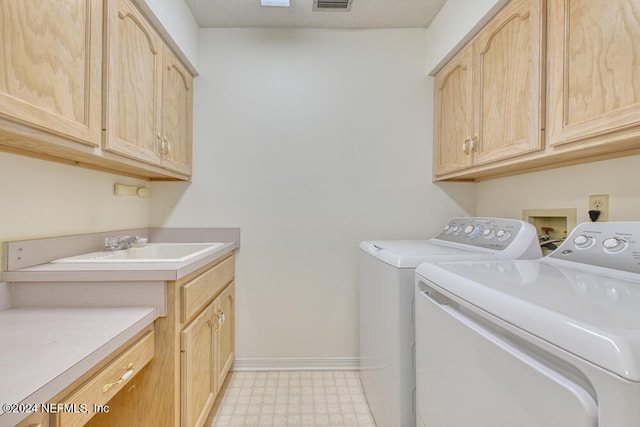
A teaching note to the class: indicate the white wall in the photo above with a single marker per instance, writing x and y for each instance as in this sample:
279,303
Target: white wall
455,24
177,19
310,141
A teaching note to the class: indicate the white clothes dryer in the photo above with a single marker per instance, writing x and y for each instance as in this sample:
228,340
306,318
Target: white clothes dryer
553,342
387,277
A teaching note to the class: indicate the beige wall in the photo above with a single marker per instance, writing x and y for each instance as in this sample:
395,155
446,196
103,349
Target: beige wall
310,141
44,199
567,187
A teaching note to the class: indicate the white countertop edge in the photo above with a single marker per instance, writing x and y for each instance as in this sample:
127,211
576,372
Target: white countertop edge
87,272
49,390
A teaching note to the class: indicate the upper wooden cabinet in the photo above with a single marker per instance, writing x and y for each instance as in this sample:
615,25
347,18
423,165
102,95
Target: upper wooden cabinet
489,98
149,93
592,102
508,83
93,83
134,82
51,66
453,120
177,119
594,79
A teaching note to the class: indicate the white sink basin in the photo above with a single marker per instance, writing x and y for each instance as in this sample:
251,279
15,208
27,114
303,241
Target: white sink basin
151,252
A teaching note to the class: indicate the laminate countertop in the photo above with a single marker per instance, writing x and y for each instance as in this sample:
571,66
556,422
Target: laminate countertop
44,350
124,271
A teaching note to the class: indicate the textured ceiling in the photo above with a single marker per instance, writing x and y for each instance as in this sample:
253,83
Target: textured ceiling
363,14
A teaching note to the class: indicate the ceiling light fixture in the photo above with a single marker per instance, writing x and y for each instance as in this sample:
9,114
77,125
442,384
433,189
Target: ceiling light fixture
275,3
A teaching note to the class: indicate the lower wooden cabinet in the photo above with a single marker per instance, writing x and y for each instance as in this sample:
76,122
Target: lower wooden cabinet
207,353
195,348
91,396
37,419
225,338
106,383
197,364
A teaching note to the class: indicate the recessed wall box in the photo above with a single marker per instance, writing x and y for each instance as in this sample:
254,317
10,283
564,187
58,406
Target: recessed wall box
552,225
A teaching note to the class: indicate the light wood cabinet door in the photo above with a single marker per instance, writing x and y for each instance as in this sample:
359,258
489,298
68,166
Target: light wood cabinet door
134,76
177,122
453,114
51,66
594,79
38,419
225,351
198,379
489,99
508,86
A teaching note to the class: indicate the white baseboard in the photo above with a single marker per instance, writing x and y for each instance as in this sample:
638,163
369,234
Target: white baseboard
297,364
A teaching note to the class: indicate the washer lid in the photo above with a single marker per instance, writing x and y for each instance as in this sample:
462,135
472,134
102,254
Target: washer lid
592,314
412,253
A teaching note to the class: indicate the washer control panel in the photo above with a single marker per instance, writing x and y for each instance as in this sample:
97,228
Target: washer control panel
490,233
605,244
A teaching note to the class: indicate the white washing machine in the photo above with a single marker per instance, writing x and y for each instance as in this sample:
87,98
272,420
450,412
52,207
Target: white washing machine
387,277
553,342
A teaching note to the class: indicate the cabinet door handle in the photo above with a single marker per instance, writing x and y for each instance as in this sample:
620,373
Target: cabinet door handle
161,142
465,146
128,374
220,315
472,145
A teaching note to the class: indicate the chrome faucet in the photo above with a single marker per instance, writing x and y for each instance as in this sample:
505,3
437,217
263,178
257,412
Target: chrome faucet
123,242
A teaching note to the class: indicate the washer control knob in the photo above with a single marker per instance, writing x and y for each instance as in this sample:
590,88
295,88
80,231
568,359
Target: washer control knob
503,234
488,233
455,229
472,231
583,241
613,244
613,294
447,228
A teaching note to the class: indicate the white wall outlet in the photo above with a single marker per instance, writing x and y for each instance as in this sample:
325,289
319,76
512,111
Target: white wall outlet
600,203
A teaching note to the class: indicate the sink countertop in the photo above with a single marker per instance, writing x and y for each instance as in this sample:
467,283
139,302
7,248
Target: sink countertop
115,271
45,350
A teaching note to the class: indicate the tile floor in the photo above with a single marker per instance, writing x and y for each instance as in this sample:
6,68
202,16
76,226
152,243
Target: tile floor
292,399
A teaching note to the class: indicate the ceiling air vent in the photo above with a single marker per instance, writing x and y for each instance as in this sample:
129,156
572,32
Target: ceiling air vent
332,5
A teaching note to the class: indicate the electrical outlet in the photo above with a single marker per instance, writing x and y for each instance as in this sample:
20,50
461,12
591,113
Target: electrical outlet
600,203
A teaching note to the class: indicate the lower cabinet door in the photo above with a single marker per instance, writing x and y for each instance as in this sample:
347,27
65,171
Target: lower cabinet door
225,352
198,381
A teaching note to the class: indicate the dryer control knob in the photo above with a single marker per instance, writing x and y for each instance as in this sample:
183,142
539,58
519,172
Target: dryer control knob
488,233
583,241
503,234
614,244
472,231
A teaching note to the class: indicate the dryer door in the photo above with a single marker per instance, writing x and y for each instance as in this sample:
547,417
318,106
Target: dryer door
469,376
